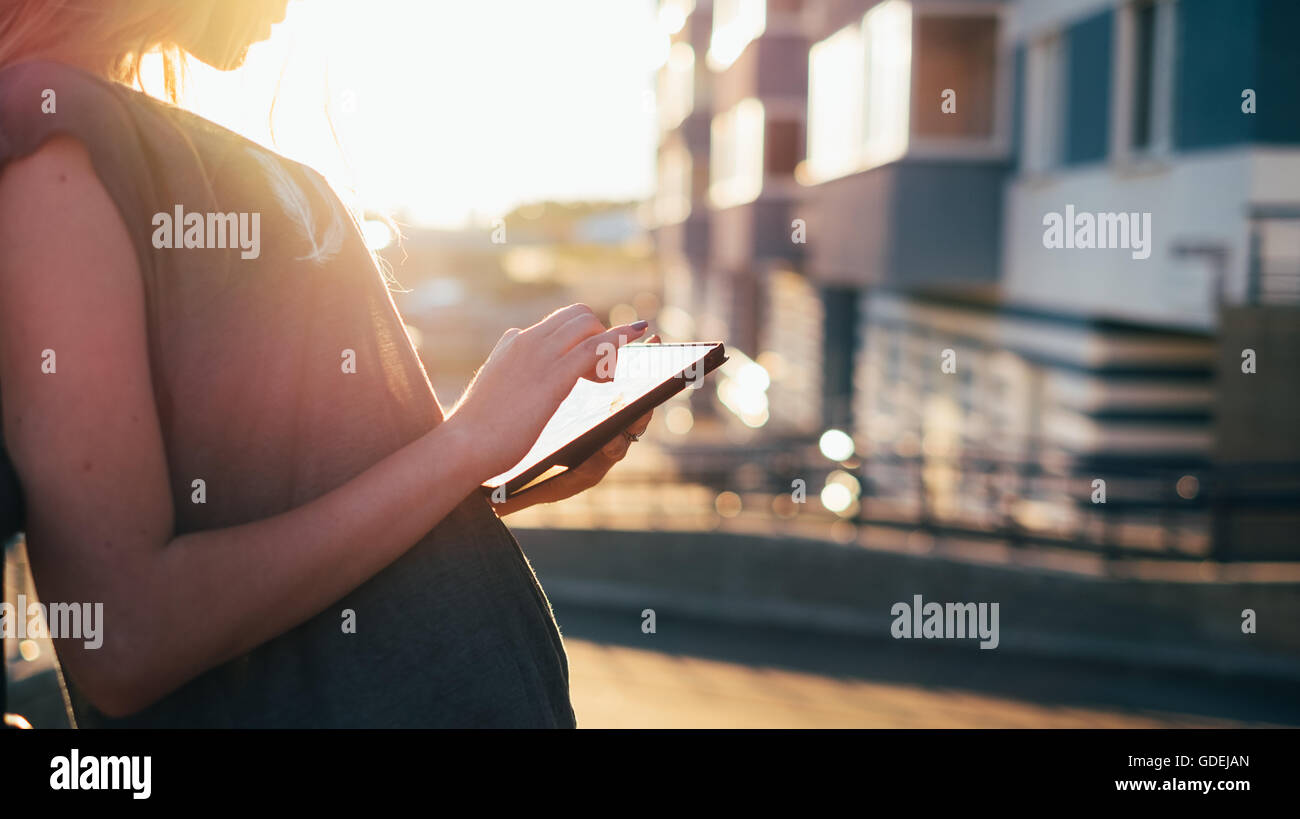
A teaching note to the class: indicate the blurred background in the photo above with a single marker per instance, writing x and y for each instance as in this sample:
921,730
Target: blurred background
922,397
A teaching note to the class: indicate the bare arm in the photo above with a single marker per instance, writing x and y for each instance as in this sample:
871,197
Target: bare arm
87,445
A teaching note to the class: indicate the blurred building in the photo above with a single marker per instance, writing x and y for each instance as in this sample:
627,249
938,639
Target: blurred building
733,99
989,372
680,208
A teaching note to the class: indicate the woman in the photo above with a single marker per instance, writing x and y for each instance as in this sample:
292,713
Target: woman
279,537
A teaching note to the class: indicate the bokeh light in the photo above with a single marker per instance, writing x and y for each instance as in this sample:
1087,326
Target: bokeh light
728,504
836,445
679,419
837,498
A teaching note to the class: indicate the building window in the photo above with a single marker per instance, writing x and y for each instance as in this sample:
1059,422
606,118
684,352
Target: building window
735,24
858,93
673,202
736,155
887,56
1146,75
677,86
1043,108
835,86
957,54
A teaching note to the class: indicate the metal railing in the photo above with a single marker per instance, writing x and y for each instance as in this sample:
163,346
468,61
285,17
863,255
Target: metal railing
1144,509
1272,281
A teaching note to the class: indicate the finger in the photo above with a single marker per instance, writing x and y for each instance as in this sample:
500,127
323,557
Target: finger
557,319
596,357
581,478
506,338
591,473
641,424
573,331
654,339
615,449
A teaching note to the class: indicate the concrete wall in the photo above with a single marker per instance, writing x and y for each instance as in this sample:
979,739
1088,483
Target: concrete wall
759,580
1200,201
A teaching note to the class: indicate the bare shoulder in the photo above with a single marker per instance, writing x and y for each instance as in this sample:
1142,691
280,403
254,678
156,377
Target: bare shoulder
60,232
61,163
70,291
54,208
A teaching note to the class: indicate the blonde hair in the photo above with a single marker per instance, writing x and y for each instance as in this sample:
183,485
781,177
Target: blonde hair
115,34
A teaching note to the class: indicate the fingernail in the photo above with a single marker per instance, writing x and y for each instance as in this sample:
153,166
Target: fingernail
639,325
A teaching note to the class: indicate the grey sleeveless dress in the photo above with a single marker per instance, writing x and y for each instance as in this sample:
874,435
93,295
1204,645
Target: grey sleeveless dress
245,356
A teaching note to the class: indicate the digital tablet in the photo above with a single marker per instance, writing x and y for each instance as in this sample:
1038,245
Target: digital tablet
645,376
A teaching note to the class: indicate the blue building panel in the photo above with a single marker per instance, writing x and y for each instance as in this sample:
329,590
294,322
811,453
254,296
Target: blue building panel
946,222
1088,61
1277,119
1224,48
1216,59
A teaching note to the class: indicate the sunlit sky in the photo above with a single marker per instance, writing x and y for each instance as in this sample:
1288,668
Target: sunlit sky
450,112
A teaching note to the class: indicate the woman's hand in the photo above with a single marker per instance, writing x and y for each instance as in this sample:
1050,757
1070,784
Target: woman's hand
589,473
529,373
